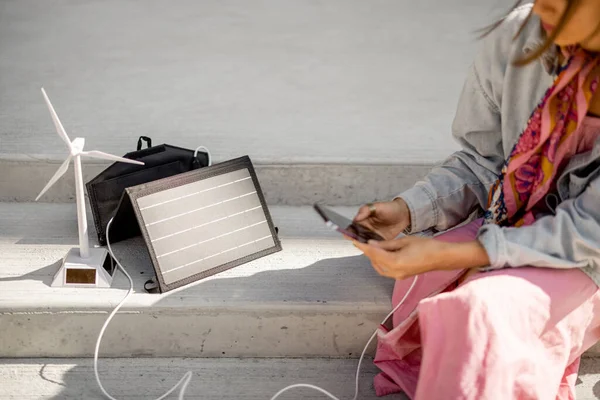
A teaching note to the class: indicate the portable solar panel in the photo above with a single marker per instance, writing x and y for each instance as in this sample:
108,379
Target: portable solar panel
200,223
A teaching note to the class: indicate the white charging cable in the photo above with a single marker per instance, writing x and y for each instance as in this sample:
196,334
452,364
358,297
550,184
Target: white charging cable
362,356
185,380
207,154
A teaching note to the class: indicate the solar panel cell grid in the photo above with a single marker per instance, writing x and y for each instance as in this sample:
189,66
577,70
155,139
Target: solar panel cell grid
205,223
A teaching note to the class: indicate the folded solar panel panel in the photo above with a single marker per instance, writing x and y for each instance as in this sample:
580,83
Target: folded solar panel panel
200,223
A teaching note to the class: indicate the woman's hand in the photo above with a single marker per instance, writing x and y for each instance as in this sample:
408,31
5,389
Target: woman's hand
388,219
408,256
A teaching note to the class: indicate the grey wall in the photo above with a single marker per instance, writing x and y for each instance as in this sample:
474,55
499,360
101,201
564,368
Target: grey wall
361,81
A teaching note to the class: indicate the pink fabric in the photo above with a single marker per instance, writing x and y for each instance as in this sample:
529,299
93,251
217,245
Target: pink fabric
591,122
590,132
513,333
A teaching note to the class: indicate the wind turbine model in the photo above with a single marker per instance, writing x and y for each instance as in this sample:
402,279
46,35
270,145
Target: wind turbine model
81,267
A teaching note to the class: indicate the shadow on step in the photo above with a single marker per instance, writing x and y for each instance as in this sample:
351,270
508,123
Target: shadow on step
336,280
43,275
307,276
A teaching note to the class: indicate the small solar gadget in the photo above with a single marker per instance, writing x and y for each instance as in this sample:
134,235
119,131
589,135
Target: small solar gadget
202,222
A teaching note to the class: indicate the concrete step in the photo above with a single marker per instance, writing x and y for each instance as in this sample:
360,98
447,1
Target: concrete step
24,176
216,379
317,298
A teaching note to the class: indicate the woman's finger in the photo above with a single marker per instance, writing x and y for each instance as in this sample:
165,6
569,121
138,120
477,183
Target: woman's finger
382,261
380,270
363,213
388,273
361,246
348,237
369,250
367,223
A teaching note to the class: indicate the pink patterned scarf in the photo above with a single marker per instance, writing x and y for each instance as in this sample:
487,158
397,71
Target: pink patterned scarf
550,139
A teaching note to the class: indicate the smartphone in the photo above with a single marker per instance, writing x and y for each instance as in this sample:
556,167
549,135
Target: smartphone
346,226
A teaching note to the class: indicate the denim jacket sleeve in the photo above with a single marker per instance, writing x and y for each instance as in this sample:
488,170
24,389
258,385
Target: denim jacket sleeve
568,239
460,184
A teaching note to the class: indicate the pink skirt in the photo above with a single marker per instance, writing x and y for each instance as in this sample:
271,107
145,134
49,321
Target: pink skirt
515,333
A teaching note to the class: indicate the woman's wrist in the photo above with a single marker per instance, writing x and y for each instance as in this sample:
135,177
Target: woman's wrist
463,255
406,211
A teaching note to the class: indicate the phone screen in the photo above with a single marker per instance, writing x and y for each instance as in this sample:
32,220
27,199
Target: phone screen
346,226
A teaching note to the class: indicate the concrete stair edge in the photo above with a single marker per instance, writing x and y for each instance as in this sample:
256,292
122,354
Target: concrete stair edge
24,176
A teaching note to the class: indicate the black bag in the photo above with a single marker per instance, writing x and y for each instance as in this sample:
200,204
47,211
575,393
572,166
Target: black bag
106,189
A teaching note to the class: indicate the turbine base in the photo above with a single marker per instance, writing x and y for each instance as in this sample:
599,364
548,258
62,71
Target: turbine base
97,271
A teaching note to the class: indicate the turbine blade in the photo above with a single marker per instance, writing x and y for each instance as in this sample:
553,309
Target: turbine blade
60,172
106,156
59,128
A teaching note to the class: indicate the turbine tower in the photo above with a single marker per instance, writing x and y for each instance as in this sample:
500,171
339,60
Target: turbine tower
82,267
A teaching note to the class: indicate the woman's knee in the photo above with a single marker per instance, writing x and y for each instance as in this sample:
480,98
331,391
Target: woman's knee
497,301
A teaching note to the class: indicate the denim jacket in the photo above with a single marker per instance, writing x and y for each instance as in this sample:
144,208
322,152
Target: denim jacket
497,100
